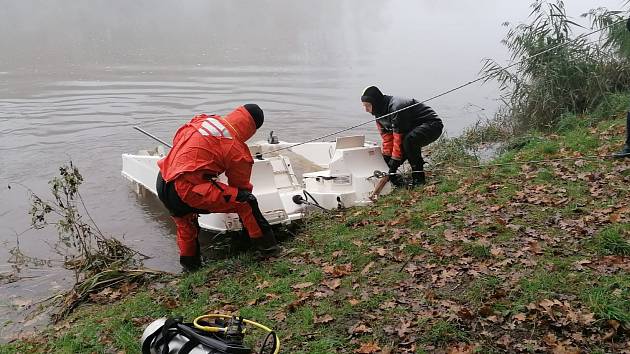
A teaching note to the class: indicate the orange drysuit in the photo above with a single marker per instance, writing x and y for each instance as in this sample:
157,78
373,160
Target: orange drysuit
204,148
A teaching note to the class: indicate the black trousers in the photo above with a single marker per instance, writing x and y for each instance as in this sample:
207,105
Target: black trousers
416,139
628,121
168,196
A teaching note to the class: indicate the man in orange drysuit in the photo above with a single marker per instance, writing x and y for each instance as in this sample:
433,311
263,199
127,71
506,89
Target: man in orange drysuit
204,148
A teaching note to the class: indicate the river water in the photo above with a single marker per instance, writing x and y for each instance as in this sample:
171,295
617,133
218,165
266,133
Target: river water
75,76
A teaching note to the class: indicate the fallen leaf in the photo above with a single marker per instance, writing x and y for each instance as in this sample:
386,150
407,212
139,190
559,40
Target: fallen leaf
550,339
170,303
367,268
535,247
368,348
561,349
295,304
279,316
462,349
486,311
404,328
496,251
465,314
263,285
504,341
337,271
323,319
495,208
450,235
381,251
360,328
611,333
354,302
332,283
302,285
519,317
142,321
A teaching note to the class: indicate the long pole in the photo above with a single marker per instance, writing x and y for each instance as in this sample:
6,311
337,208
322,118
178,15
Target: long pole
379,188
151,136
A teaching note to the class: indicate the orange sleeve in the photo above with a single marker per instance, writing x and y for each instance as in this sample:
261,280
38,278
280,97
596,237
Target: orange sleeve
387,138
397,146
238,169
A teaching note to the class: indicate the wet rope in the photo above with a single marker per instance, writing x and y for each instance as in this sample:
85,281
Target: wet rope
484,77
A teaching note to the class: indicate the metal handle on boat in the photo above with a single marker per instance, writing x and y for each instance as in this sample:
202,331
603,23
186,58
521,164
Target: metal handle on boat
151,136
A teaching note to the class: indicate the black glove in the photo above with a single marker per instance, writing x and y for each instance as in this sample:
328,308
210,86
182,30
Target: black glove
244,196
393,165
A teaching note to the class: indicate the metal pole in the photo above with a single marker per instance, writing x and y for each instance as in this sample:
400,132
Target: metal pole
151,136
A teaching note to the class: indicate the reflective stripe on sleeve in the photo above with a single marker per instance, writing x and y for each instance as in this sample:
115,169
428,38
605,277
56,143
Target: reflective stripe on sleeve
213,127
220,126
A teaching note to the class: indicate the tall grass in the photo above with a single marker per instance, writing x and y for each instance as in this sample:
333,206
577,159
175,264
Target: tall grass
573,78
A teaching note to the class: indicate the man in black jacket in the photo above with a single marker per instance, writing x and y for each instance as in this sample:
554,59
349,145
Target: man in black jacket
405,125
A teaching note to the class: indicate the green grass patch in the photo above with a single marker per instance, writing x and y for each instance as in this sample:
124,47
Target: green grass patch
441,332
543,284
430,205
609,299
613,241
581,140
544,175
326,345
540,148
413,250
480,289
478,250
572,121
417,222
612,105
448,185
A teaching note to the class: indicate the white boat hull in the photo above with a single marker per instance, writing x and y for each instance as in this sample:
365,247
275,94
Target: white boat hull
343,177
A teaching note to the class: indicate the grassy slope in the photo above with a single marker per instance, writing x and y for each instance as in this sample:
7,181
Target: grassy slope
510,258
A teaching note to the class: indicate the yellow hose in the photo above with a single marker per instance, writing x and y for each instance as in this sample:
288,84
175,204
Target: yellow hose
213,329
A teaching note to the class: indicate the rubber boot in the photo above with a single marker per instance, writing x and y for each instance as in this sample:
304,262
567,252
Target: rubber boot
418,177
190,263
267,244
240,241
396,180
625,152
193,263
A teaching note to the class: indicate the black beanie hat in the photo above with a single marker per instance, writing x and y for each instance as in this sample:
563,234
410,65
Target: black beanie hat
372,95
256,113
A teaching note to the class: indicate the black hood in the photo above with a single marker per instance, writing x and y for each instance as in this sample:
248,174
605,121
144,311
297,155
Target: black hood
374,96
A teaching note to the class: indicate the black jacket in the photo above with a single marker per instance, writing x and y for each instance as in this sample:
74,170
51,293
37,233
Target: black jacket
405,121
